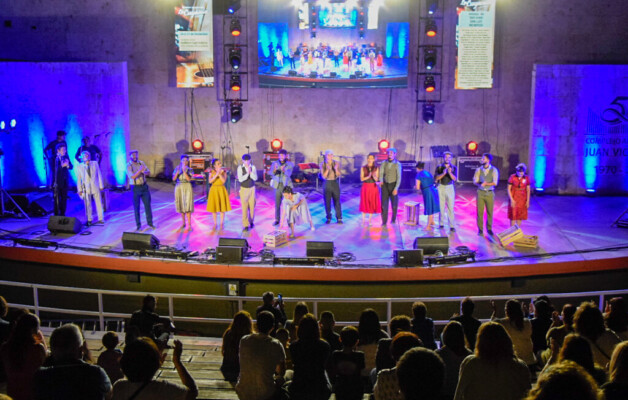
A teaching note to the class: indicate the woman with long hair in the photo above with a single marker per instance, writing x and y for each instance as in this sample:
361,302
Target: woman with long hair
370,199
241,326
519,329
425,183
589,322
453,352
577,349
370,331
183,195
616,317
617,386
300,310
295,210
218,198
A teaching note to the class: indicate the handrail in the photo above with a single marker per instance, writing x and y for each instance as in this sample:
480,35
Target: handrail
101,314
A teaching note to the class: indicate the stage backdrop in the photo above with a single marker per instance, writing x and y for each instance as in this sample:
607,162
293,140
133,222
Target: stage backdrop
579,128
84,99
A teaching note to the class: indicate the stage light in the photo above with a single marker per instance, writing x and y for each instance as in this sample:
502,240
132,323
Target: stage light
276,144
13,123
236,27
590,191
197,145
539,189
236,83
430,28
234,6
472,148
235,57
383,145
432,6
429,84
3,125
429,58
236,111
429,112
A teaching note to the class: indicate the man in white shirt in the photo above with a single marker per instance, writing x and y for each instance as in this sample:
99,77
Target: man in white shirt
89,185
247,175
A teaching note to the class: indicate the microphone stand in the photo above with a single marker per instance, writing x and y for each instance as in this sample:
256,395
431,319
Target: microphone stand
86,198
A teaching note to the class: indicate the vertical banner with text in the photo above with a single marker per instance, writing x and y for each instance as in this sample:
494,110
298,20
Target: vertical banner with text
195,44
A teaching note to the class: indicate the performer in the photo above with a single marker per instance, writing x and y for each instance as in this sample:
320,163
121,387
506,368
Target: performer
372,60
60,173
89,185
218,198
281,171
183,194
295,210
380,59
519,194
50,152
370,202
425,183
279,55
390,180
330,171
137,172
291,59
247,175
446,175
94,151
486,178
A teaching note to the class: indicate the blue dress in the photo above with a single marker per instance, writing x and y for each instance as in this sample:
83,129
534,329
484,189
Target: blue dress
430,195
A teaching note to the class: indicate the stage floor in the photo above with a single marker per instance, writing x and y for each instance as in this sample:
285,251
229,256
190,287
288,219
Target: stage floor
571,229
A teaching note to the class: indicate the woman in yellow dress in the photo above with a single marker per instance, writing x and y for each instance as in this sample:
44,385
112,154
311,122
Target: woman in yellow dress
218,198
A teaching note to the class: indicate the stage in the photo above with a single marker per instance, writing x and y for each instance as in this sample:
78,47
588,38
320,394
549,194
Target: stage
575,235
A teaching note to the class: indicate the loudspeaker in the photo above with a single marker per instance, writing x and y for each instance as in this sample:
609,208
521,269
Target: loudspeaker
43,205
233,242
430,245
292,72
352,76
61,224
408,258
333,74
139,241
229,254
320,249
313,74
273,68
359,74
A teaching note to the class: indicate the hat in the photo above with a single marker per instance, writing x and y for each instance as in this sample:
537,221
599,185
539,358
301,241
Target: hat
133,151
521,166
392,149
328,152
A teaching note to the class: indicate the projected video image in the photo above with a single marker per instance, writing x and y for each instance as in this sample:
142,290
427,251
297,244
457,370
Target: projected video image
333,43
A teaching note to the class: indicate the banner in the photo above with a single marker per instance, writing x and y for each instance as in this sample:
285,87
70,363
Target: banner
195,44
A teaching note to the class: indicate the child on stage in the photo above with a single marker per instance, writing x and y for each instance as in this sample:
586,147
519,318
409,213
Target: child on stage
295,210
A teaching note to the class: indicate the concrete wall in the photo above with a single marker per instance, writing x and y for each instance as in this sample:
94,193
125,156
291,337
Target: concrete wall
348,121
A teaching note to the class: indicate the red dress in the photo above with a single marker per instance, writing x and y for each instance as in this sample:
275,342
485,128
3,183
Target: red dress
518,189
370,201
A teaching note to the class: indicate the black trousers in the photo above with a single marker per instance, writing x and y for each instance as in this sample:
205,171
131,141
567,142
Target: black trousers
60,199
278,199
331,191
141,192
387,190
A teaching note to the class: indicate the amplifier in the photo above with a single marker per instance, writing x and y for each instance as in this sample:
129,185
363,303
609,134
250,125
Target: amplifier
467,167
299,260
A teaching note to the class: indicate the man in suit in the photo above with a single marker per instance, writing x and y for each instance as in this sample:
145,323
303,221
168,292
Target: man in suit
89,185
281,171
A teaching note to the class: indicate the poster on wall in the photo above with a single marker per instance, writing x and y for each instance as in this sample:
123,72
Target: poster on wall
475,42
194,44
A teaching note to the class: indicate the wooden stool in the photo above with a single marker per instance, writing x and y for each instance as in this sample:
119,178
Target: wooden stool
413,211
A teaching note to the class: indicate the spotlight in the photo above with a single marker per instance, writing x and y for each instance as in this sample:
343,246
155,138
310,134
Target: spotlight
429,112
276,144
236,111
539,190
198,145
235,57
432,6
590,191
383,145
430,28
13,123
429,57
472,148
234,6
429,83
236,27
236,83
3,125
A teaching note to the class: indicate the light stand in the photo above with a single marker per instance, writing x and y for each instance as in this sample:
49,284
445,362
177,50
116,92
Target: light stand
4,193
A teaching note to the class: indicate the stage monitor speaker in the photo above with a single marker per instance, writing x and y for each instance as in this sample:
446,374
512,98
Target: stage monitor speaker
320,249
359,74
43,205
139,241
292,72
233,242
273,68
352,76
430,245
313,74
229,254
333,74
408,258
61,224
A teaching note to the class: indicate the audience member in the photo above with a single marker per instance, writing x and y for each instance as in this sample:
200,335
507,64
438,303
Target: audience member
589,323
66,375
109,360
241,326
347,365
469,323
309,355
383,357
540,325
327,323
565,381
422,326
148,323
577,349
616,317
493,372
276,307
370,333
421,374
5,326
617,386
387,385
520,331
140,362
283,336
262,362
22,355
561,327
452,352
300,309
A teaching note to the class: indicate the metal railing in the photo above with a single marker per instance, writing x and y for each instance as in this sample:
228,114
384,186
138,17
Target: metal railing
101,314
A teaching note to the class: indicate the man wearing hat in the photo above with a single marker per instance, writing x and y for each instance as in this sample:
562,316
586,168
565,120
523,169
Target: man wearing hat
137,172
330,171
446,175
390,180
